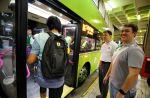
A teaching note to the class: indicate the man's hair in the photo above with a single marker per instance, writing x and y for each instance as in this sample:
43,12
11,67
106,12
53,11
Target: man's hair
54,23
29,27
107,31
133,26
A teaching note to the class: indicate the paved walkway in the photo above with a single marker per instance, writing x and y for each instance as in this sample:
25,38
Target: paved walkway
33,88
143,91
93,90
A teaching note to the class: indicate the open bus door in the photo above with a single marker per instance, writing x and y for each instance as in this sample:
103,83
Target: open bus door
70,33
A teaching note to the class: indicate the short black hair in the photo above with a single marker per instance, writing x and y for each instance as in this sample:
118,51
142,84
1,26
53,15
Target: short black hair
54,23
29,27
107,31
133,26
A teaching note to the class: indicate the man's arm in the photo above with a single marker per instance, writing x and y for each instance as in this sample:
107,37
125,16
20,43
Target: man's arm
108,74
31,59
34,52
130,81
135,61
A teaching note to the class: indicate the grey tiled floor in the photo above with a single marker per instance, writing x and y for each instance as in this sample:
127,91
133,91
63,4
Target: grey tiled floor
33,89
143,91
92,91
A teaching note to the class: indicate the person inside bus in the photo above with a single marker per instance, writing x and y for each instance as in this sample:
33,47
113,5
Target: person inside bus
55,85
107,50
70,42
84,44
126,64
29,36
29,40
90,46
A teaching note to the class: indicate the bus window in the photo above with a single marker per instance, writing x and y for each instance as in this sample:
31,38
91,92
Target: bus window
87,44
98,44
69,36
7,51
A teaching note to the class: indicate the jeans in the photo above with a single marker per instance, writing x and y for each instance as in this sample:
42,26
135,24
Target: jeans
114,91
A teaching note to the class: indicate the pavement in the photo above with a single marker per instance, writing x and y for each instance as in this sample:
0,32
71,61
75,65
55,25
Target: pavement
33,88
90,89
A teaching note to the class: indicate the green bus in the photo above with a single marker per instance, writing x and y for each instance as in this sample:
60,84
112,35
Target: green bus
82,24
84,40
84,54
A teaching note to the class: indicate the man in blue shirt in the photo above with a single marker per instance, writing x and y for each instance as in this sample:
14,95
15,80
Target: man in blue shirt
55,85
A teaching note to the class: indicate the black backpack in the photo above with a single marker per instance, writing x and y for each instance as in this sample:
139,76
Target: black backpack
54,57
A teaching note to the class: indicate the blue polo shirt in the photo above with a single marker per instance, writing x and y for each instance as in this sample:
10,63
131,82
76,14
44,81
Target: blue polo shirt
37,49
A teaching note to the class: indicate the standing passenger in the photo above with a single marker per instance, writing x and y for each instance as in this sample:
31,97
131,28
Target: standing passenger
107,51
126,64
55,85
29,36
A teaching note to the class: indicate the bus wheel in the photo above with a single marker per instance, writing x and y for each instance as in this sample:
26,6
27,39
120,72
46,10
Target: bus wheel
83,75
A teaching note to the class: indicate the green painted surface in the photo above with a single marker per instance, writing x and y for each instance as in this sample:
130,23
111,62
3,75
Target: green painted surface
87,10
91,57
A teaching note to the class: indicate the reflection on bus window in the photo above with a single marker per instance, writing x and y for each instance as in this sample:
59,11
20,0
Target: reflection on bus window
7,51
87,44
98,44
69,36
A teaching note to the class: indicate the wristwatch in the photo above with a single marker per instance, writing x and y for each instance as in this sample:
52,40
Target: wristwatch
122,92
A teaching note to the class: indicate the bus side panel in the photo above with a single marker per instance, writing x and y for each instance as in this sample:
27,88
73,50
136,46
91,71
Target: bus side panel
91,57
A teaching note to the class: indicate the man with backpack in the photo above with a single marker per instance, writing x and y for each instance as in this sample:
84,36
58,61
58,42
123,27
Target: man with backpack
51,51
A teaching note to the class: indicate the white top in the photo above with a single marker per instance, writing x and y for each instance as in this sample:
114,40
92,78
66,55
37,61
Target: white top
107,51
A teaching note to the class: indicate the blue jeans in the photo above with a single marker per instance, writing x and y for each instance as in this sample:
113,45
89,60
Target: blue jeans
114,91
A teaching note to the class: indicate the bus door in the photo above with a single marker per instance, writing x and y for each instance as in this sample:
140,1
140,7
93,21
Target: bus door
69,31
